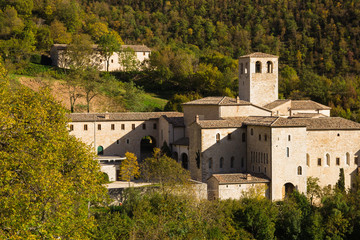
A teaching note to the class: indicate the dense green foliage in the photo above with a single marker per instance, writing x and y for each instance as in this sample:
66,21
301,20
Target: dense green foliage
149,214
195,42
48,179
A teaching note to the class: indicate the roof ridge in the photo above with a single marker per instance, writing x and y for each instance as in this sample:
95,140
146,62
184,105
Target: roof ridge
274,121
221,100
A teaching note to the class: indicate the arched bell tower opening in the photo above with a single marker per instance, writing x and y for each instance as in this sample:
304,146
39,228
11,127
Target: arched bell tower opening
258,78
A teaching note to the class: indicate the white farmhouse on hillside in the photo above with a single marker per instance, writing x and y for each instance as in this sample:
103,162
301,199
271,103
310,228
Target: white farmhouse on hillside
134,54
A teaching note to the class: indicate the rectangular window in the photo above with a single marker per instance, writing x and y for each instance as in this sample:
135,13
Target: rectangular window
133,126
319,161
112,60
112,126
259,137
229,136
117,141
144,53
99,126
144,126
154,126
356,160
122,126
287,152
265,137
337,161
85,127
71,127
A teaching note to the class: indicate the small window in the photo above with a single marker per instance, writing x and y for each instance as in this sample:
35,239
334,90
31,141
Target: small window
269,67
112,60
242,162
265,137
319,161
85,127
218,137
246,68
259,169
144,126
127,141
112,126
327,159
299,170
122,126
71,127
264,169
221,162
337,161
118,141
308,160
287,152
99,127
347,158
144,53
210,163
258,67
241,68
259,137
289,138
100,150
244,137
232,162
154,126
229,136
132,126
356,160
252,131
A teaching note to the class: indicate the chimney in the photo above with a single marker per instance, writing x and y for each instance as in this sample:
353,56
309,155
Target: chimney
237,99
197,118
248,176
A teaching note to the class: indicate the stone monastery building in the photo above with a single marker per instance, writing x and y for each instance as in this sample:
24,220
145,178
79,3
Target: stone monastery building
234,144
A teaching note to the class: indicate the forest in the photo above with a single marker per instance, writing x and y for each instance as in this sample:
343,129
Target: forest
196,43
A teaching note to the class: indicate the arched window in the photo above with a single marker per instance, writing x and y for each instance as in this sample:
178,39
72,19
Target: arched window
289,138
299,170
348,158
269,67
210,163
232,160
100,150
221,162
218,137
307,160
246,68
241,68
327,159
258,67
185,162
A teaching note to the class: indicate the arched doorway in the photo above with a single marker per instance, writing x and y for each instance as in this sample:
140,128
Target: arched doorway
100,150
184,161
288,188
147,145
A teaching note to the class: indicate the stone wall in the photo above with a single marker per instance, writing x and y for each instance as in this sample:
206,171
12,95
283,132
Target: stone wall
242,111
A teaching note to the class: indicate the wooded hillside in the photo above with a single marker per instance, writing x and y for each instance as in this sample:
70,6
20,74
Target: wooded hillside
196,42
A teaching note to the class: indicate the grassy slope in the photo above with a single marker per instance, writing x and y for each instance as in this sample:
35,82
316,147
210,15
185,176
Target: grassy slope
101,103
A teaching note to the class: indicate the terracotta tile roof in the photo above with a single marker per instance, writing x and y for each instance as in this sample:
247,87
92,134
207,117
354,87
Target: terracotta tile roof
308,115
224,123
221,101
175,121
320,123
324,123
136,48
307,105
182,141
123,116
259,55
276,103
240,178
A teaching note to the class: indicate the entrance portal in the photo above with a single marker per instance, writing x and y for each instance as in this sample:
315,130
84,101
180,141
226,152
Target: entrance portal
184,161
288,189
147,144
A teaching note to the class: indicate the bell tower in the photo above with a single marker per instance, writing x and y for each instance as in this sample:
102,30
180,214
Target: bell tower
258,78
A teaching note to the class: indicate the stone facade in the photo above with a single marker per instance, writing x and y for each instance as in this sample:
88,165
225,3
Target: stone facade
278,143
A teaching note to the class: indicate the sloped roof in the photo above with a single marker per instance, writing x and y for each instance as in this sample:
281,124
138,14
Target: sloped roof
308,115
276,103
307,105
123,116
259,55
182,141
221,101
234,122
240,178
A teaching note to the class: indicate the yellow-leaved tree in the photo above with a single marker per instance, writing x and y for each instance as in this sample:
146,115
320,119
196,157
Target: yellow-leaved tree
129,167
47,177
